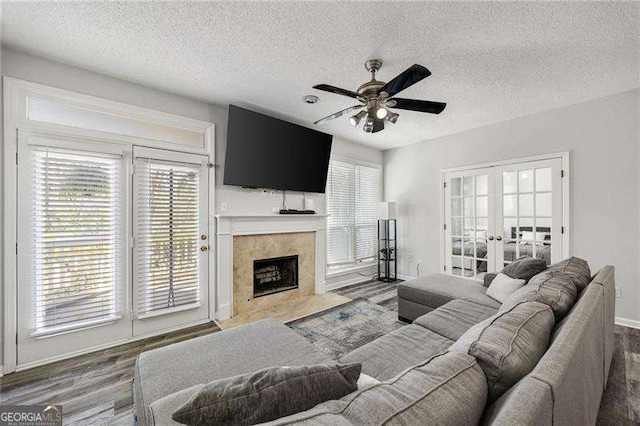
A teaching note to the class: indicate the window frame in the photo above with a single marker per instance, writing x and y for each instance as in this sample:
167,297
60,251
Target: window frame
345,267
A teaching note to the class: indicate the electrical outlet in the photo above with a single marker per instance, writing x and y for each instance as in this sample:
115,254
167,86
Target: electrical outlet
224,206
617,292
410,258
273,193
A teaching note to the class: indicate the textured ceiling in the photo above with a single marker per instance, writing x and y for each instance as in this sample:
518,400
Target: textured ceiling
490,61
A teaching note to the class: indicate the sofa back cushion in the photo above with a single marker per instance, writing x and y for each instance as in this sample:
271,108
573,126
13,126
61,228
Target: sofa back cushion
552,288
509,344
447,389
577,269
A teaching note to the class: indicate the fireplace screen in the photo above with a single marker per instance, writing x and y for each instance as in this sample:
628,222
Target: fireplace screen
275,275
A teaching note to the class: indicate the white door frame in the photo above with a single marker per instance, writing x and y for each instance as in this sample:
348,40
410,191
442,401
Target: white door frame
566,195
16,94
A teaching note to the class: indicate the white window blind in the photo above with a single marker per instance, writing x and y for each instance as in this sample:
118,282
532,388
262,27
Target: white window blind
353,193
76,238
167,236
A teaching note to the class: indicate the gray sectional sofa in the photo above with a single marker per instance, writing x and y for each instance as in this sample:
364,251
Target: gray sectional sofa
437,370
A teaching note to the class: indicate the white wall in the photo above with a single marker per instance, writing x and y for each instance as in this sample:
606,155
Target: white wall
603,137
40,70
244,200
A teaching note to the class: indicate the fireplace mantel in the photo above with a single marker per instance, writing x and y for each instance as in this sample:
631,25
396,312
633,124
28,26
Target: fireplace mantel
230,225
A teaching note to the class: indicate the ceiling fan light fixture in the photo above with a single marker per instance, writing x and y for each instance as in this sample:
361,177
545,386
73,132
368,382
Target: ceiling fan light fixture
381,113
392,117
368,126
354,120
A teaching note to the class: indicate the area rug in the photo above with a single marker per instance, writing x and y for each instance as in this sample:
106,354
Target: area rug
340,330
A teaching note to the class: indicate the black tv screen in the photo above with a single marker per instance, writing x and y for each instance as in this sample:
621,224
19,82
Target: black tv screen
264,152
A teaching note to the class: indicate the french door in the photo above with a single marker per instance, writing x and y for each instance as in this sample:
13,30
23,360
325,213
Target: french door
104,254
170,238
494,215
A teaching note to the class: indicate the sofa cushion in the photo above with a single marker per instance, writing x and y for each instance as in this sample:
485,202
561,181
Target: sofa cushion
454,318
449,389
553,288
271,393
509,344
503,286
435,290
394,352
577,269
523,268
265,343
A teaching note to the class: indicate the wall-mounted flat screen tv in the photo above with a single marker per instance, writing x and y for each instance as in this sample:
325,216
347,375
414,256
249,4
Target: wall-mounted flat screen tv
265,152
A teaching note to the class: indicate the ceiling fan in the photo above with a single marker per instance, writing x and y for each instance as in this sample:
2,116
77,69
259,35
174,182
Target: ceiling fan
377,96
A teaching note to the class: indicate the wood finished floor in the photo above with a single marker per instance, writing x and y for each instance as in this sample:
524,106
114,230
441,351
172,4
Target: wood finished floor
96,388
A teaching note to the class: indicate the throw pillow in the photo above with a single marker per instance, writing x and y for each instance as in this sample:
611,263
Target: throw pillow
552,288
268,394
489,277
366,380
503,286
509,344
523,268
578,270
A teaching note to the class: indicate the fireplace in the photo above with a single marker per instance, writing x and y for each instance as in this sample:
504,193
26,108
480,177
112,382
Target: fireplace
274,275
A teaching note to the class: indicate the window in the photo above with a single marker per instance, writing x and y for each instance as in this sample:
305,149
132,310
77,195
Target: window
76,238
353,193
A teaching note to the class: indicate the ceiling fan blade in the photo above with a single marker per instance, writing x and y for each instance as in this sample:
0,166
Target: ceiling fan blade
420,106
407,78
336,90
339,114
378,125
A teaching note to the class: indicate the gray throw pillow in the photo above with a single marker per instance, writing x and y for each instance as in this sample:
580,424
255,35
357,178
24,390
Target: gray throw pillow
268,394
523,268
509,344
577,269
552,288
489,277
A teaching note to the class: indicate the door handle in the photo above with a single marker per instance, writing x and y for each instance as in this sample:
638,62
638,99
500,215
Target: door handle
490,238
499,238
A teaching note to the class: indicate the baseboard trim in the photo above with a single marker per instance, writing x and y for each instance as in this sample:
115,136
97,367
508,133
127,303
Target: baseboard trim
347,282
56,358
406,277
627,322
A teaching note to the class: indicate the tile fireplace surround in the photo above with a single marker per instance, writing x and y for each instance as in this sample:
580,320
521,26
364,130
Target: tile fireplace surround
264,236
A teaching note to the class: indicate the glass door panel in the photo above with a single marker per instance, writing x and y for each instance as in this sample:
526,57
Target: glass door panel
468,208
530,205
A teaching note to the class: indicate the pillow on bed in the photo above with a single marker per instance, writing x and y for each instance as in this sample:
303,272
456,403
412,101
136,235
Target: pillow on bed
527,238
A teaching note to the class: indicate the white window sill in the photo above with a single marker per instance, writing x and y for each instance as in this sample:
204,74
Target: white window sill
338,271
